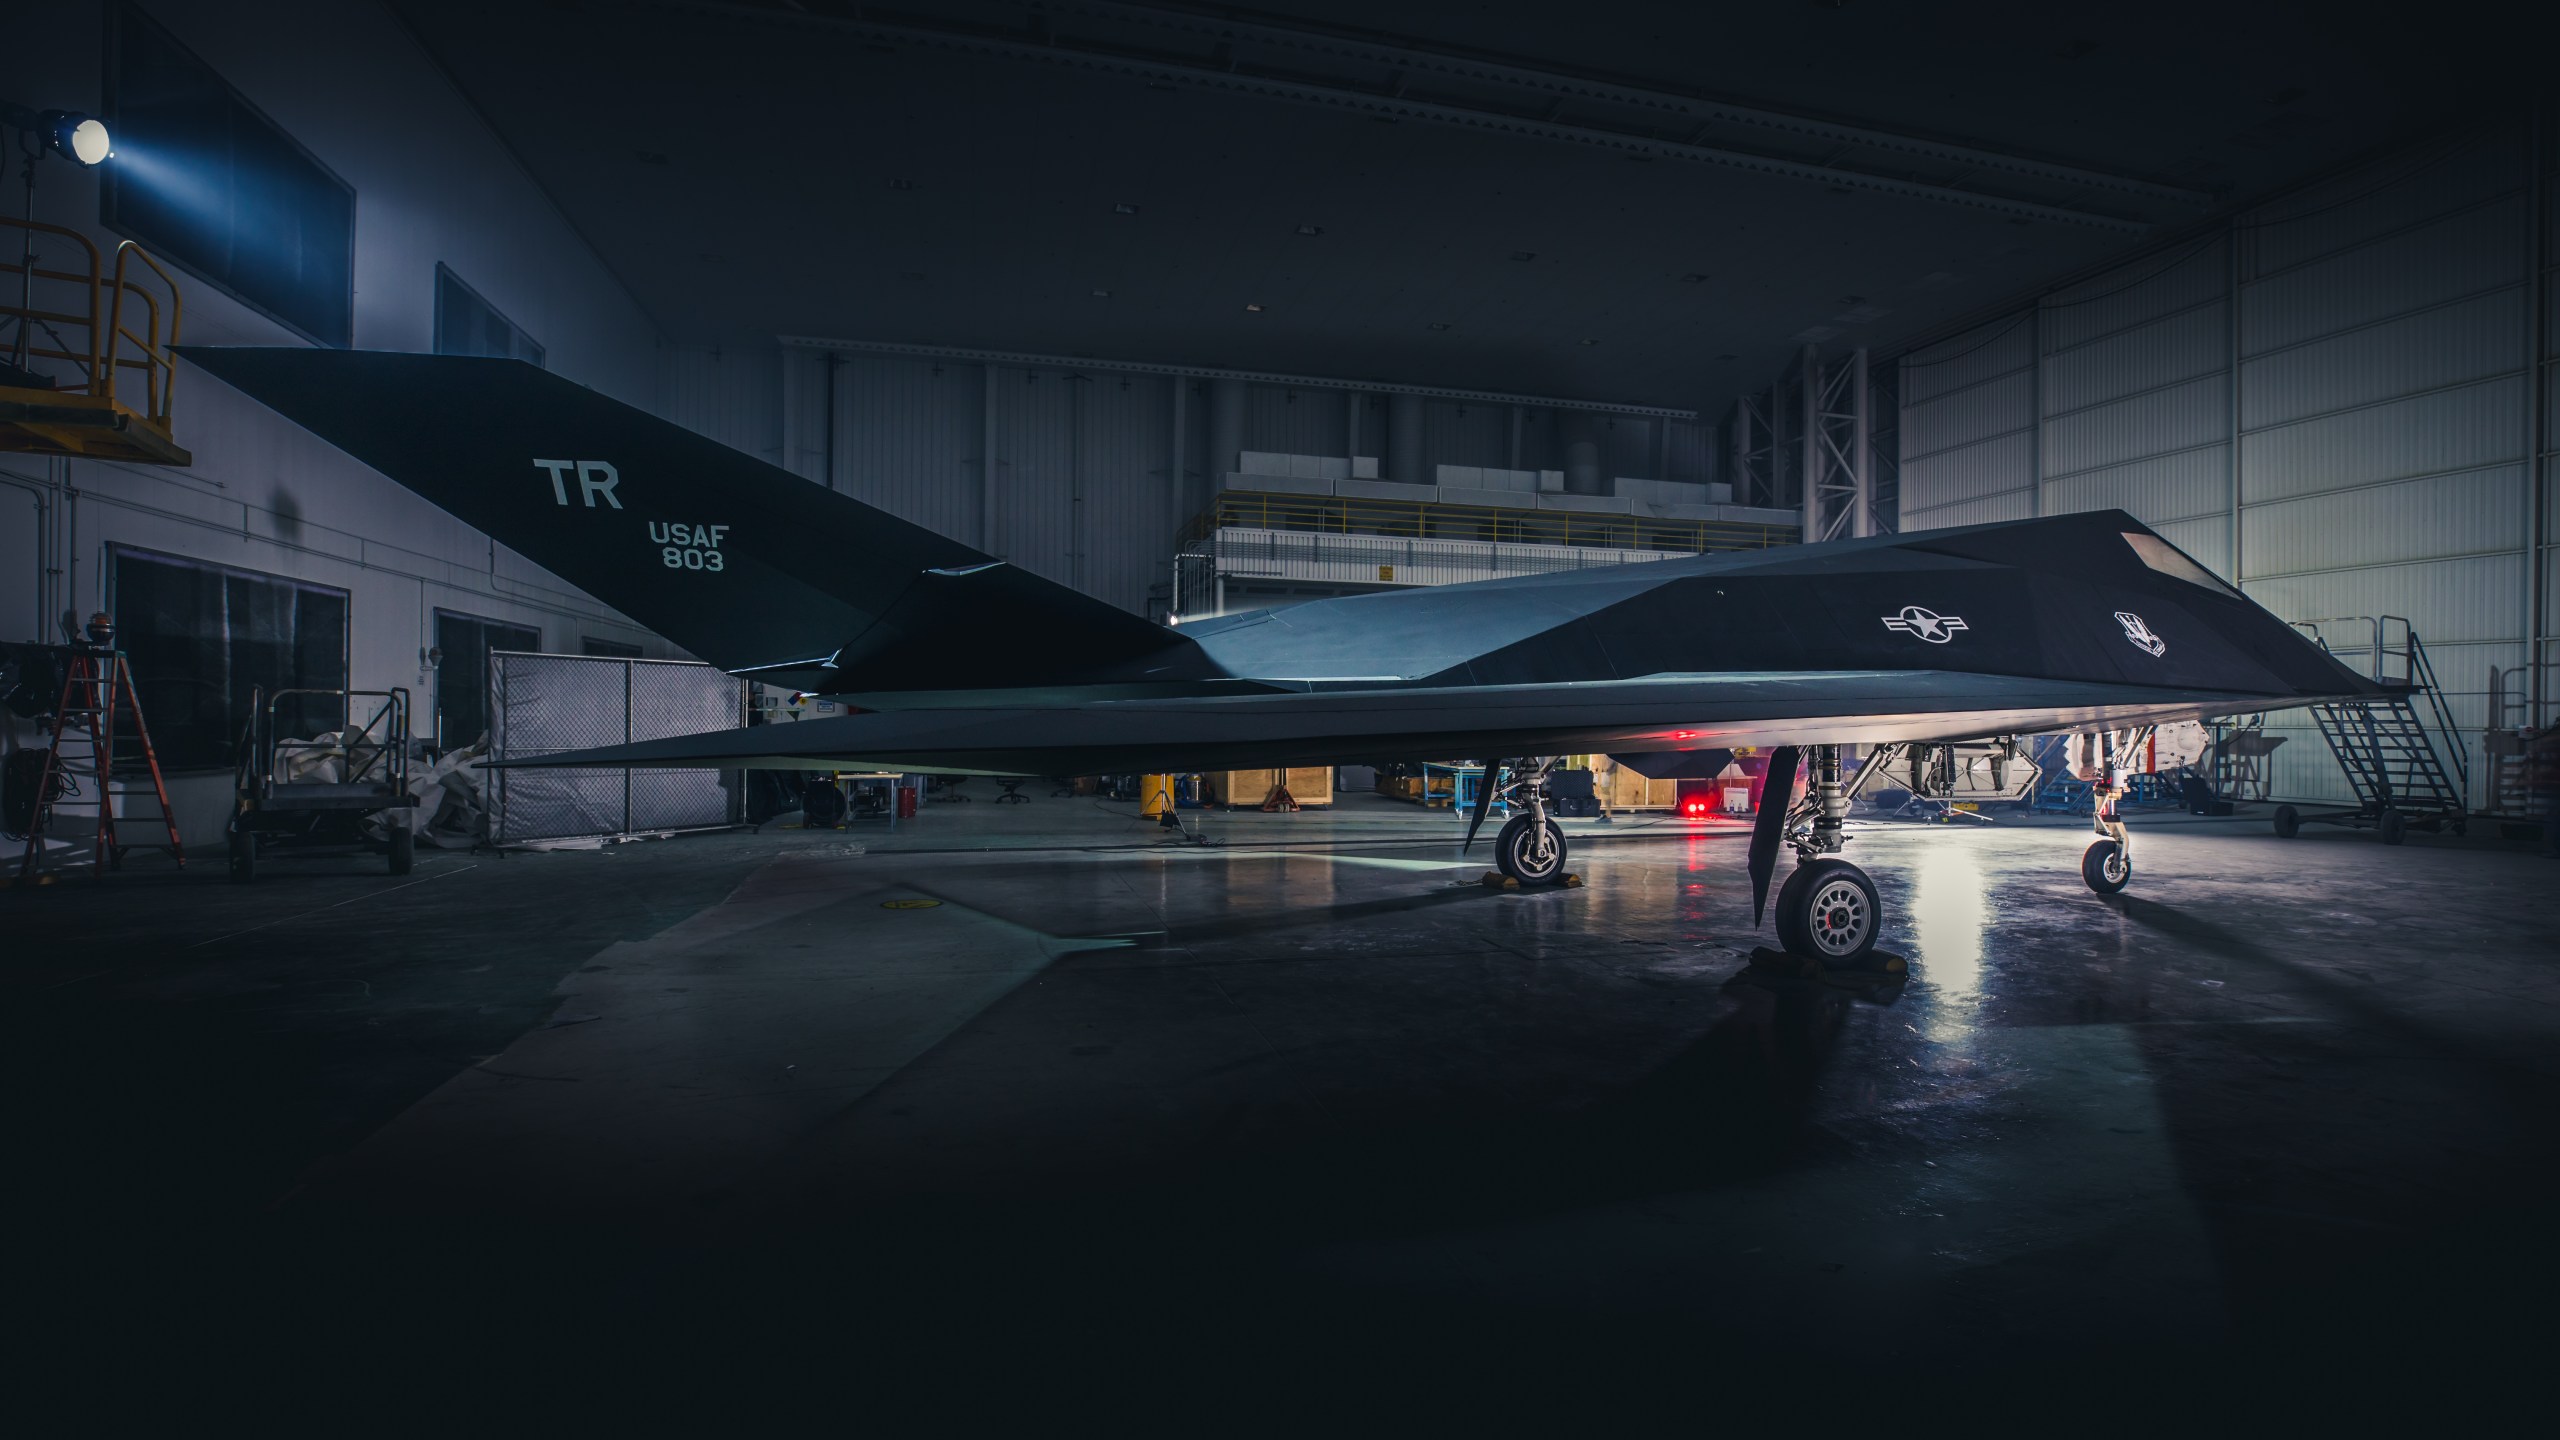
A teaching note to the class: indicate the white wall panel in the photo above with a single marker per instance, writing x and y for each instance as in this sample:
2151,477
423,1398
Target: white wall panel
1976,355
2456,429
2450,601
2425,519
1478,434
1970,473
2180,347
1125,509
907,436
2146,290
1283,421
2014,505
1035,514
2444,259
2156,490
2380,198
1998,406
2469,340
2177,418
733,395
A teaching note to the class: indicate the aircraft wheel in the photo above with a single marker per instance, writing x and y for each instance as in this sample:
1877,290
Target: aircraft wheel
244,857
1517,851
403,849
2395,827
2288,822
2106,867
1828,909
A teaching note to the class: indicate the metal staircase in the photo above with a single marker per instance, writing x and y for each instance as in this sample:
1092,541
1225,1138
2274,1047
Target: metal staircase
2404,776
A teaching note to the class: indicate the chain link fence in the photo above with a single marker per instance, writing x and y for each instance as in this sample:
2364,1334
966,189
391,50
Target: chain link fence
545,704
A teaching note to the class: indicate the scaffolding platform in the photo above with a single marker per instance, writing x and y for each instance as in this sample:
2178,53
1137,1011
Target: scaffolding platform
86,352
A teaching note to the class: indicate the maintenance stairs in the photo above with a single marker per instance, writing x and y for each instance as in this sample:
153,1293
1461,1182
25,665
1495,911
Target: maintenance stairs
2404,774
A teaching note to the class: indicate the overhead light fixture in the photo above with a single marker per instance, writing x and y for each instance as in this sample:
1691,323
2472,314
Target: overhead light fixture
1124,208
1694,277
1524,254
902,184
1101,294
1310,229
79,138
1439,324
1590,342
1252,309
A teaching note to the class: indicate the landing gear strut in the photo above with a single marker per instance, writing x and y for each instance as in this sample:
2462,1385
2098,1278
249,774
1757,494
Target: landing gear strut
1530,847
1828,908
2107,865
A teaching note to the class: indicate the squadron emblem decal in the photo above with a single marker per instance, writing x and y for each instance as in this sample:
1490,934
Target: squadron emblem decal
1928,625
2140,634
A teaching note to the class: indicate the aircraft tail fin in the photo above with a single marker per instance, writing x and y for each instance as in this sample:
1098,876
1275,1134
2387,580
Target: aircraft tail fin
742,563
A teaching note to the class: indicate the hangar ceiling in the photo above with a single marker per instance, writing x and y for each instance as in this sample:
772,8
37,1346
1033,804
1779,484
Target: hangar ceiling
1641,203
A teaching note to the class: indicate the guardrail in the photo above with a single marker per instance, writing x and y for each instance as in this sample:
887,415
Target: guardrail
89,303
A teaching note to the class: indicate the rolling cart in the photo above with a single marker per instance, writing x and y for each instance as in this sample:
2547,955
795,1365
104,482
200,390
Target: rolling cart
306,798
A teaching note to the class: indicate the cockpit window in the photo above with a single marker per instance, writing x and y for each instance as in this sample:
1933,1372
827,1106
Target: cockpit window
2168,559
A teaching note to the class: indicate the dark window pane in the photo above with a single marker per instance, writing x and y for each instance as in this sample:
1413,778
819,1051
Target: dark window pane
611,649
203,639
205,180
469,325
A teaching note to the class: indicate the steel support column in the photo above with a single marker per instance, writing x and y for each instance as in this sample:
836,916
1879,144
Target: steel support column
1839,431
1809,436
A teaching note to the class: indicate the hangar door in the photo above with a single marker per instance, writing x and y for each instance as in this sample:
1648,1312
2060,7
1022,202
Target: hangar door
544,704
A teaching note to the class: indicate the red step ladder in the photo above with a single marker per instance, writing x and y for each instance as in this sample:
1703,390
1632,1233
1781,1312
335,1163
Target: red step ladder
97,689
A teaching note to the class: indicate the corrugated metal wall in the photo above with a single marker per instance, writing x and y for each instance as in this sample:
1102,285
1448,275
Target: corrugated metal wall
1465,434
1083,486
1282,421
2380,324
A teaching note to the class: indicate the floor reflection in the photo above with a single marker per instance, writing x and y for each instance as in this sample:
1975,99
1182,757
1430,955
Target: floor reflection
1949,908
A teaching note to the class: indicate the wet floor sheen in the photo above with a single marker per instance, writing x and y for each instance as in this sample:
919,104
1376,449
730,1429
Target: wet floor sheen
2281,1097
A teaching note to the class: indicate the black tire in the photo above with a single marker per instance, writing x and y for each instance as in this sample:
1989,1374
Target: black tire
404,849
1514,851
1828,910
2106,867
2288,822
2394,827
244,857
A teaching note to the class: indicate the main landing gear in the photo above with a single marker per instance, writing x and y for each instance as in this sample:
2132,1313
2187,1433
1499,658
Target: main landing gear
1530,846
1828,908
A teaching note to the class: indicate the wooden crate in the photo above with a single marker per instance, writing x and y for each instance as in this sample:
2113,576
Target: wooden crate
1620,788
1309,785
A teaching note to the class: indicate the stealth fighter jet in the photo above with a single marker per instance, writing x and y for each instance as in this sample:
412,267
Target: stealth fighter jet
963,663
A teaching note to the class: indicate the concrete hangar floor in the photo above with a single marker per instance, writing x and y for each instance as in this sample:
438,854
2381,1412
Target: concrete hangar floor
1308,1106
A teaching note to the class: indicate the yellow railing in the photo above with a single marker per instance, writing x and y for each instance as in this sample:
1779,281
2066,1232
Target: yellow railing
1431,520
56,319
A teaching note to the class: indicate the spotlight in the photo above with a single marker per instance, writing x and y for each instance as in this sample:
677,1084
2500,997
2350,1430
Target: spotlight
77,137
68,133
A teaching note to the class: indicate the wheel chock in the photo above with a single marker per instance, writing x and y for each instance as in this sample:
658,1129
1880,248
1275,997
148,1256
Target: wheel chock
1571,881
1496,880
